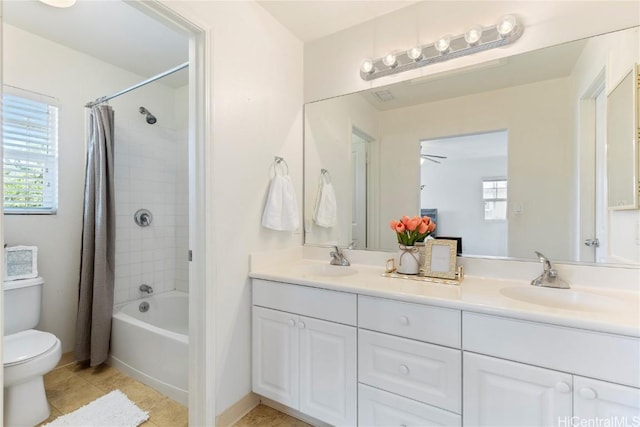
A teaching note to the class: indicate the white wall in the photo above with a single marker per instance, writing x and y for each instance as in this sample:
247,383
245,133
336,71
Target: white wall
256,114
328,127
454,187
332,63
36,64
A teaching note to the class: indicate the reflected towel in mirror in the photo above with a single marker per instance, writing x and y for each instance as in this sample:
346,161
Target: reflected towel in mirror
281,210
325,212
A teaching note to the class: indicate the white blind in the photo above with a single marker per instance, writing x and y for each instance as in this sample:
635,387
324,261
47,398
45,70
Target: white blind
30,142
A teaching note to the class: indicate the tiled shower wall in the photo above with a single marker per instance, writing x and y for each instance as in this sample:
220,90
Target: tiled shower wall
151,167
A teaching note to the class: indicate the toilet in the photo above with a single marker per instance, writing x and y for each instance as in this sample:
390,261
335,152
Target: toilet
27,354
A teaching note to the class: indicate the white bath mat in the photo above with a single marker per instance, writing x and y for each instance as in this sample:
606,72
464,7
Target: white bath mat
111,410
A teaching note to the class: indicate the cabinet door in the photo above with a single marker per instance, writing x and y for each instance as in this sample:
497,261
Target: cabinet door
595,399
275,355
497,392
328,382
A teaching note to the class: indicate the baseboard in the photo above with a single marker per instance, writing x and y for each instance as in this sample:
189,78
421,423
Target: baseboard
292,412
238,410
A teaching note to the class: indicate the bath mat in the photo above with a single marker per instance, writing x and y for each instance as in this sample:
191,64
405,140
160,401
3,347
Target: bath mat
111,410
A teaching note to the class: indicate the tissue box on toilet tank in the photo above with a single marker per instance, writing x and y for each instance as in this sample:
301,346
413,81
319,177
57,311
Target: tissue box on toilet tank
20,262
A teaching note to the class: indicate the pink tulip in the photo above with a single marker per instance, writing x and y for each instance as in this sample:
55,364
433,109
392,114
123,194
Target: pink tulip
423,227
405,220
400,227
413,224
431,226
393,225
426,219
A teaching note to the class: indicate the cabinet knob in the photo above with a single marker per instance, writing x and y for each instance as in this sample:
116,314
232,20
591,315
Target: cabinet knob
292,322
588,393
404,369
404,320
563,387
301,325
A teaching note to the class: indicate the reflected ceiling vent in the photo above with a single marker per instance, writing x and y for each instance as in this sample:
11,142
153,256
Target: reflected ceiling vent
384,95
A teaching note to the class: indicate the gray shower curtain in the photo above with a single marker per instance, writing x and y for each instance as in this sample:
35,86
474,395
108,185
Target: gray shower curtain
95,304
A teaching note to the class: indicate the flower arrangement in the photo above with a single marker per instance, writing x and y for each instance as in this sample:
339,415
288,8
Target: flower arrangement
412,230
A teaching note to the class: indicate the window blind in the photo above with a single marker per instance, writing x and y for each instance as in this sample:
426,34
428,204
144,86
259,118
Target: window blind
30,142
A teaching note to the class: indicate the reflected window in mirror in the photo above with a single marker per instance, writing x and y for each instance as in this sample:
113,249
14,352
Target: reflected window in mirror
494,194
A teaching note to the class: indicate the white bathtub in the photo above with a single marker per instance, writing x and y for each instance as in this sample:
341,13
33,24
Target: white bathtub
153,346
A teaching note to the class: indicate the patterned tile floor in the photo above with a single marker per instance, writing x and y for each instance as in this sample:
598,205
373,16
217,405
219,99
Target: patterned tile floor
71,386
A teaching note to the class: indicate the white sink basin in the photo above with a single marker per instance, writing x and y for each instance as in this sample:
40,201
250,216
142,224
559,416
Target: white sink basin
566,299
326,270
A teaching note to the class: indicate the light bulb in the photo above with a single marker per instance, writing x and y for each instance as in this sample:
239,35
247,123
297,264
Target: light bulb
473,35
415,53
442,44
506,25
367,66
390,60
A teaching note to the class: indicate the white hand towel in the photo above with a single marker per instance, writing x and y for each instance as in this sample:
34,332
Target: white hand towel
281,210
325,213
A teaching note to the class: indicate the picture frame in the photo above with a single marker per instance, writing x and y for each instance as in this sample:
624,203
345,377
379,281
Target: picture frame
440,258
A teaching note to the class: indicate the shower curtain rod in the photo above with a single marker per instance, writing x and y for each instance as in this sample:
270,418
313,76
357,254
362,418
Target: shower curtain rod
136,86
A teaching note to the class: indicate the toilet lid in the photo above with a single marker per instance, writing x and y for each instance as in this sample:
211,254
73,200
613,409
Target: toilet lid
23,346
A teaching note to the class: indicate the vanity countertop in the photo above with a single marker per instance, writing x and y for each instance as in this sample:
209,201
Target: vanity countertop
611,311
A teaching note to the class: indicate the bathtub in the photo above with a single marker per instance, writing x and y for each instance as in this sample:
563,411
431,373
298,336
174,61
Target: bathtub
153,346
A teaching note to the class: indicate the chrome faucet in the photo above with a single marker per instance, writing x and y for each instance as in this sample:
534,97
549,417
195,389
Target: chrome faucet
338,258
549,277
146,288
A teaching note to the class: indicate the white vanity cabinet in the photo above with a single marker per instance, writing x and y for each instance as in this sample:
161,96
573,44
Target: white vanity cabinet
306,362
542,384
409,364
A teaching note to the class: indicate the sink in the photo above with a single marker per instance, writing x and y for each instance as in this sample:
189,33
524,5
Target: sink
566,299
326,270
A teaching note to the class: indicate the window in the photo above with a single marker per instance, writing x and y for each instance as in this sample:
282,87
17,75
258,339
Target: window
30,156
494,194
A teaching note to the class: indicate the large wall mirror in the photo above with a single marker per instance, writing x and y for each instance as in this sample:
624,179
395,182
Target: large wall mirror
508,155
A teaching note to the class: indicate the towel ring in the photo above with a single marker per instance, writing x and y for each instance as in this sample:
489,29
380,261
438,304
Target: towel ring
325,174
279,160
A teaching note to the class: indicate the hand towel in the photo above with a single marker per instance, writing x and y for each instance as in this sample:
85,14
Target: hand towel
325,213
281,210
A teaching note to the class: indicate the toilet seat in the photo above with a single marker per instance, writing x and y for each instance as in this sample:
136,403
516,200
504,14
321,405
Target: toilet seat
24,346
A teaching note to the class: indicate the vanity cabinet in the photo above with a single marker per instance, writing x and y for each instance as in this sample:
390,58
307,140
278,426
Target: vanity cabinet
407,372
542,384
306,363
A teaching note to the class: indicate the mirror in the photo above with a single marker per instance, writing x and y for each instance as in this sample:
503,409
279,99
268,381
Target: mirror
547,108
622,143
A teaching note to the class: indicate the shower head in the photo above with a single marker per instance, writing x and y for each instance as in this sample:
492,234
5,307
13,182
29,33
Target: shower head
151,119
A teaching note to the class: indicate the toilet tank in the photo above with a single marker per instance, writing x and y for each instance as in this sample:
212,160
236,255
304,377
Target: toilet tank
22,304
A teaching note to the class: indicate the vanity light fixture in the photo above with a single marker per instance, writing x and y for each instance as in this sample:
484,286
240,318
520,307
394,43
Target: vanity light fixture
475,39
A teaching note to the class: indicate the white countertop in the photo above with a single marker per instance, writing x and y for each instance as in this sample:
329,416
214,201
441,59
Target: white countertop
476,294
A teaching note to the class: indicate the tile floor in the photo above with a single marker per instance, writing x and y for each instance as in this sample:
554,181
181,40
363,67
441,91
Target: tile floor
71,386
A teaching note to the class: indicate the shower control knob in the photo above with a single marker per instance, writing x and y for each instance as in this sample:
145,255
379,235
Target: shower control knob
143,217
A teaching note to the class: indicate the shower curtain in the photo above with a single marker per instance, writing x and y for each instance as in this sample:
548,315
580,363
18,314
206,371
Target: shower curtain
95,303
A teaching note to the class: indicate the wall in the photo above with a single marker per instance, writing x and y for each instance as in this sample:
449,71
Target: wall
454,187
332,63
25,56
256,114
543,192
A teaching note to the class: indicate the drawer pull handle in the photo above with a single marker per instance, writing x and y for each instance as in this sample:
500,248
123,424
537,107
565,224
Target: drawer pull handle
588,393
563,387
301,325
404,369
404,320
292,322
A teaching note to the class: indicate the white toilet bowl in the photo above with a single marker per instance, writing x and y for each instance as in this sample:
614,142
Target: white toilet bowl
27,356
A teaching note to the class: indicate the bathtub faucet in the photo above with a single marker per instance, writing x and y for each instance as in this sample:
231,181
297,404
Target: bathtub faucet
146,288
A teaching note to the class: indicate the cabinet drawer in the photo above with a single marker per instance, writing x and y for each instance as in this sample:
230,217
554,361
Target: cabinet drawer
594,354
425,372
380,408
334,306
426,323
